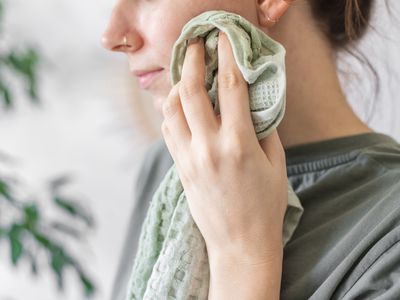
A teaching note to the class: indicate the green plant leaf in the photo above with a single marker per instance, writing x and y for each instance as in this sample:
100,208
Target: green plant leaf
58,261
57,257
15,243
43,240
25,63
5,190
6,95
32,90
87,285
31,216
73,209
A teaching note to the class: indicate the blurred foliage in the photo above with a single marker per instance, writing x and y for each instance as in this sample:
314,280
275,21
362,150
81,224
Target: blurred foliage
29,233
22,63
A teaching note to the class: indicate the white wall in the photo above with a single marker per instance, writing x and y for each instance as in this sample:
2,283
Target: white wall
88,127
381,47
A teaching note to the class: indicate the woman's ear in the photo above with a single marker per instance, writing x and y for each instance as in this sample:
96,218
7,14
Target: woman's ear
270,11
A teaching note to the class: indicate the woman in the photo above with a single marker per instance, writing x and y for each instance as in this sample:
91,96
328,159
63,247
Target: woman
345,174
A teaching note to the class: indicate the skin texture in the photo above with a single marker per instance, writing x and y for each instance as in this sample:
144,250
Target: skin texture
150,42
225,171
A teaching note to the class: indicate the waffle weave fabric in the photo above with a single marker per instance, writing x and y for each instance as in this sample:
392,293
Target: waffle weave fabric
172,261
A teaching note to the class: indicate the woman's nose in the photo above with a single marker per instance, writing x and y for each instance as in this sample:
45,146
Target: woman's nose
119,34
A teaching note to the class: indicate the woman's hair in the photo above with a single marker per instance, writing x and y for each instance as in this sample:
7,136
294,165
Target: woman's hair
342,21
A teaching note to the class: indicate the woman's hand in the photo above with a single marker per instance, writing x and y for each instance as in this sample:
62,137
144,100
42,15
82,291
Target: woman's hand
236,188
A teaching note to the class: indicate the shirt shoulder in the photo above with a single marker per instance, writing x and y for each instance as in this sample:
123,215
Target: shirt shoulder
385,154
349,231
154,166
379,275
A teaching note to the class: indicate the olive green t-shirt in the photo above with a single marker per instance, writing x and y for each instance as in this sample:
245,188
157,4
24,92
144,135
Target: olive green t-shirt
347,243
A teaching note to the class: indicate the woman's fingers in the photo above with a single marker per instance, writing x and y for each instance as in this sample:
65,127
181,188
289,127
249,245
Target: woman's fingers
233,94
196,103
273,148
174,127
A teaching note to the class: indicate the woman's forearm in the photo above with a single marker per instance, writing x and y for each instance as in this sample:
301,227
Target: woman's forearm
233,277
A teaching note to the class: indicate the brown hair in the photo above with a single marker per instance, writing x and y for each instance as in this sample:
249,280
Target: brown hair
343,21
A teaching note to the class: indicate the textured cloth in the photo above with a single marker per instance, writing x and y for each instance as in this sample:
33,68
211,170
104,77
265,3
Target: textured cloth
172,261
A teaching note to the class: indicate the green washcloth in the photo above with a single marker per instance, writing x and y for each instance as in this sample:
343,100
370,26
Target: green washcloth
172,261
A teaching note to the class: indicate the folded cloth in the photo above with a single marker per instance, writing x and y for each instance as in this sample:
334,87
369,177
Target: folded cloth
172,260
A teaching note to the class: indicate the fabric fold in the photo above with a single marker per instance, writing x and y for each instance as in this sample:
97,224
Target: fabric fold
172,260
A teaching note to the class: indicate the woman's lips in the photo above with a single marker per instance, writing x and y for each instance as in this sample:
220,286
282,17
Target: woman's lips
146,79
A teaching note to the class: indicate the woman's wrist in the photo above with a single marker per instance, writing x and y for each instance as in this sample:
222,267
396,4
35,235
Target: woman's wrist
242,273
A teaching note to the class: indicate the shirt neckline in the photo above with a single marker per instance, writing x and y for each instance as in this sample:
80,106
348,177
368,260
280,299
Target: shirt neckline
334,146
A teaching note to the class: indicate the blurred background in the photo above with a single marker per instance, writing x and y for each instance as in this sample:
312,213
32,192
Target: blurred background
86,130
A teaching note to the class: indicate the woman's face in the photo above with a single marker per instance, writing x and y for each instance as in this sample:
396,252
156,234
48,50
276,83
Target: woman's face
151,28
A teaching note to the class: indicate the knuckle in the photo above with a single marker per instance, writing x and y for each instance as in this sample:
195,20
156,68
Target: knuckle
189,87
206,158
229,79
236,147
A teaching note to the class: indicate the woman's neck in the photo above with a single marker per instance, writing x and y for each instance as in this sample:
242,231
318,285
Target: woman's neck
316,107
